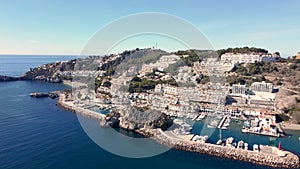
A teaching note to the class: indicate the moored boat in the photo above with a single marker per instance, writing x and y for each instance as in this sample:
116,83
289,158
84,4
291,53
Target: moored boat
219,142
255,148
246,146
241,144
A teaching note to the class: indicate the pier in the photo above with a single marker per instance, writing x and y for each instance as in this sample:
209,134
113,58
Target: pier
195,118
220,125
81,111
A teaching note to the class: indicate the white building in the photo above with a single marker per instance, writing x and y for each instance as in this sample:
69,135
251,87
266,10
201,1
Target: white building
262,87
166,89
247,58
238,89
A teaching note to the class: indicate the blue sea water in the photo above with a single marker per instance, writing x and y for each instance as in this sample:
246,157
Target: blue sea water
35,134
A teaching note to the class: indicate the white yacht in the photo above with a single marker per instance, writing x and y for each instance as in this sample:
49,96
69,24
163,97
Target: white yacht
255,148
201,117
246,146
241,144
229,141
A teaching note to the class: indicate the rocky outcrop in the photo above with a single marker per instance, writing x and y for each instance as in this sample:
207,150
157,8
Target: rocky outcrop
8,78
53,72
131,119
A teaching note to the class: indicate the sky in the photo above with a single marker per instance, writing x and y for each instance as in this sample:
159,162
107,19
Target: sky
65,26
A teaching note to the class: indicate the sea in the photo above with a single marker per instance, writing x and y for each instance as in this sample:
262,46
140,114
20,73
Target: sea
36,134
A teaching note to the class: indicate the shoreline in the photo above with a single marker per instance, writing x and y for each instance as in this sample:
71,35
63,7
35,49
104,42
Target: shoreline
289,161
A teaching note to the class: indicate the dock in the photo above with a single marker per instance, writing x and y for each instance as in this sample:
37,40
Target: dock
196,117
220,125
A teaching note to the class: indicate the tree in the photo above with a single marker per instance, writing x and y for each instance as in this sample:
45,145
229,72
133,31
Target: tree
107,84
277,53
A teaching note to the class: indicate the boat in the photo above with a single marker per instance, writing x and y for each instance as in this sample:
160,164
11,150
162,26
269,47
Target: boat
200,117
219,142
224,128
255,148
234,144
229,140
200,139
226,124
246,146
241,144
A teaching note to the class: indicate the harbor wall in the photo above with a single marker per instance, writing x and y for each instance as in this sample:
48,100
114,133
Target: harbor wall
289,161
81,111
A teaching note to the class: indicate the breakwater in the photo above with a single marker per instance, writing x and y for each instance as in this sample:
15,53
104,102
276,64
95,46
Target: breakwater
289,161
69,106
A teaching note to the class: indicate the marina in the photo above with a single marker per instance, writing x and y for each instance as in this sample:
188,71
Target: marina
184,137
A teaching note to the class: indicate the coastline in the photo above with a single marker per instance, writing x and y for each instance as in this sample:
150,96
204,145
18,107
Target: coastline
289,161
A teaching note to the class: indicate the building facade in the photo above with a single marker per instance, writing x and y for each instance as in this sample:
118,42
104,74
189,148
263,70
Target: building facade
247,58
262,87
238,89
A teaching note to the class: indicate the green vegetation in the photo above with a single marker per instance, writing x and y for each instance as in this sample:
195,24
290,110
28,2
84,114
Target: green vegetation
140,57
173,68
107,84
143,84
245,49
235,80
203,79
98,82
191,56
140,85
256,68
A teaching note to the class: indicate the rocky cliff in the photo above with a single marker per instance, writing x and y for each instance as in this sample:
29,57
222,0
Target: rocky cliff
132,119
52,72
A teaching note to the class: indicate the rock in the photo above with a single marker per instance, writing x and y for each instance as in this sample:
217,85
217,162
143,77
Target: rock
8,78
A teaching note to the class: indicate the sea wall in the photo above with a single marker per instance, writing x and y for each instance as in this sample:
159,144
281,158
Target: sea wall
83,112
289,161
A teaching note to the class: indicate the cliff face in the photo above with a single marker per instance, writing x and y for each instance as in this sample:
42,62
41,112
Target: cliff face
52,72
